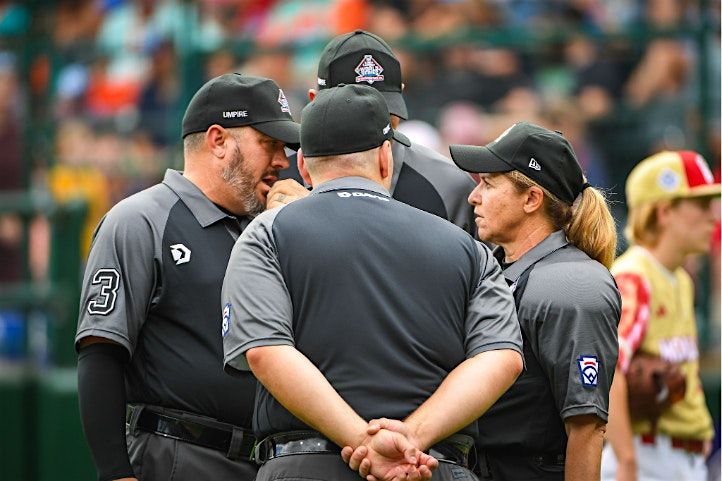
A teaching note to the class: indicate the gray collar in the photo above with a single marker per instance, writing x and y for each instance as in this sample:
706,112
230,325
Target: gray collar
399,152
352,182
205,211
552,242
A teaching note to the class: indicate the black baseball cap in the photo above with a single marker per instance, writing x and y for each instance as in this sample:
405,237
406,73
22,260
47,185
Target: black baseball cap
543,155
346,119
235,100
360,57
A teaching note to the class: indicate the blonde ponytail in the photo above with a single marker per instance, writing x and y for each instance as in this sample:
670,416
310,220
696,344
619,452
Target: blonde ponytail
588,224
592,228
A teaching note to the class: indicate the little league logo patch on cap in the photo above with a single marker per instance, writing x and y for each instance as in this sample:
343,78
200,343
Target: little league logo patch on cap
284,103
369,70
668,180
589,370
226,326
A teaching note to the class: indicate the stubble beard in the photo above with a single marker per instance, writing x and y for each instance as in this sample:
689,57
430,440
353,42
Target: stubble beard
241,181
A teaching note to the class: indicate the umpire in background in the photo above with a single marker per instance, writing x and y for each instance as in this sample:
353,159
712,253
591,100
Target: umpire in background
148,334
556,242
421,177
348,305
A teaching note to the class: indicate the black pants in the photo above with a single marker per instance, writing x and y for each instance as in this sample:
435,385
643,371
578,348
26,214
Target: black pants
157,458
330,467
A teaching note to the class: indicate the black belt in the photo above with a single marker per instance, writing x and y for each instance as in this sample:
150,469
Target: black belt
234,442
455,449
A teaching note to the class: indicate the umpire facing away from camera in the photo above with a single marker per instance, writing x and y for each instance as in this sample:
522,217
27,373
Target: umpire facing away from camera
348,305
556,241
421,177
148,334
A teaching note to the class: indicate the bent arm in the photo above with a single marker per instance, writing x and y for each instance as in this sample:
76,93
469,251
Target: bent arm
466,393
302,389
584,447
101,393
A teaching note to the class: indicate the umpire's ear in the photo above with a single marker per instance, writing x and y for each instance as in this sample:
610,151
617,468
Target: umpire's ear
386,164
311,94
301,164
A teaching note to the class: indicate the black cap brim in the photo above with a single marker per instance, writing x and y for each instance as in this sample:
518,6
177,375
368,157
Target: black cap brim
397,105
478,160
287,131
401,138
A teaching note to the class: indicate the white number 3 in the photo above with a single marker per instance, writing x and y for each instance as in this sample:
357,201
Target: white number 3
105,301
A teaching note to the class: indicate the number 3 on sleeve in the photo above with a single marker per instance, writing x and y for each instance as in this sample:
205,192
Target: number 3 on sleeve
104,302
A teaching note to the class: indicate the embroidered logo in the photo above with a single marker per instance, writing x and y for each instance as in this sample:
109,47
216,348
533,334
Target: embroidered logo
534,164
369,70
321,81
181,254
589,370
284,103
386,129
232,114
226,325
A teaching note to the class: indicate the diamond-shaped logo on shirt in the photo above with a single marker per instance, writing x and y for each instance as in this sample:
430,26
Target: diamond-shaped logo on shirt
181,254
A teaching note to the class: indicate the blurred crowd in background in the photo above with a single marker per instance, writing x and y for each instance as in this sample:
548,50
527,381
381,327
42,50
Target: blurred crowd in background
92,91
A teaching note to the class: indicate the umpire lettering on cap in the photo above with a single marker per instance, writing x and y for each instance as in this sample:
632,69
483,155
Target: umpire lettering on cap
556,240
148,335
349,306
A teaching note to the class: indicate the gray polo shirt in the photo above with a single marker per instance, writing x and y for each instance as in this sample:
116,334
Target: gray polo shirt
569,309
152,284
383,298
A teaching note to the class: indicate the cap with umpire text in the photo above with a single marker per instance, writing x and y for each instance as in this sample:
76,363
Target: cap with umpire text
235,100
360,57
543,155
670,175
346,119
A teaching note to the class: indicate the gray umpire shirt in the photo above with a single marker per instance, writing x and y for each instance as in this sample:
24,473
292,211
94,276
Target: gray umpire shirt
152,284
569,309
424,179
383,298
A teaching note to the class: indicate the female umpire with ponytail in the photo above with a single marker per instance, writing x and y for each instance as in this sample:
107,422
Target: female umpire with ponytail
556,240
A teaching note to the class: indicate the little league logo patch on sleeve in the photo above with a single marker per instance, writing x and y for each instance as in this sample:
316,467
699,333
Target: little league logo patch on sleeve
589,370
283,101
226,326
369,70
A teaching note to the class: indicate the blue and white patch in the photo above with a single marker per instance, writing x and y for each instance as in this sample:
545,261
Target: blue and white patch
369,70
589,370
668,180
226,325
283,101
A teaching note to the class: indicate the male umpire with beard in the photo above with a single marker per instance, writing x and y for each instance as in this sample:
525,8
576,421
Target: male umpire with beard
148,334
348,305
422,178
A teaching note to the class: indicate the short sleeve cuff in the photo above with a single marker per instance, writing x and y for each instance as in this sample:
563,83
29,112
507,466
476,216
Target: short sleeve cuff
584,409
105,334
493,346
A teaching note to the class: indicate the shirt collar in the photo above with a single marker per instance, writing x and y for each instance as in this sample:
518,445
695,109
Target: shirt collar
352,182
205,211
552,242
398,150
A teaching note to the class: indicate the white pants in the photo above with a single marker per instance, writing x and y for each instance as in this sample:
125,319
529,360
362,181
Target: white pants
658,462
